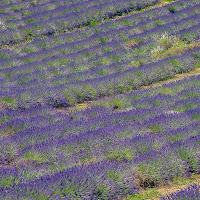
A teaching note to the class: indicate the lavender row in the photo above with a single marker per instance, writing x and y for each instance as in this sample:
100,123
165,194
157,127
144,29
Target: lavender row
173,104
164,157
96,181
122,26
176,97
132,95
94,72
8,3
100,171
115,83
103,144
176,117
54,126
98,139
120,63
144,164
106,70
162,122
79,122
84,121
138,73
76,20
79,35
17,11
149,121
191,192
62,10
62,49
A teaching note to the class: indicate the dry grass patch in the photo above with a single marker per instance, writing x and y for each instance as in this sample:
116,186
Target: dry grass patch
132,43
165,189
13,46
75,108
171,46
180,50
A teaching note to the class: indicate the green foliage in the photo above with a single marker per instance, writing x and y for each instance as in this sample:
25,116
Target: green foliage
172,9
34,3
107,49
26,13
8,152
166,91
80,96
15,8
32,20
70,97
150,193
103,72
91,92
127,22
2,11
104,40
190,157
24,80
168,45
8,100
29,49
36,156
8,181
196,117
94,23
27,60
159,22
167,0
8,75
156,128
3,55
115,58
28,33
105,61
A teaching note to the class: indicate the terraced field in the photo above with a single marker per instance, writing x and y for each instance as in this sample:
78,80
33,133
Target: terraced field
91,105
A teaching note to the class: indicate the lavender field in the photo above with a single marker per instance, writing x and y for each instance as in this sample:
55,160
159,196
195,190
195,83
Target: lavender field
76,118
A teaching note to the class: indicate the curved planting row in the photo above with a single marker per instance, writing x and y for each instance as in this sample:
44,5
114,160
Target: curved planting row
105,60
51,155
96,62
62,10
80,119
90,89
21,10
98,31
102,39
8,3
106,49
71,21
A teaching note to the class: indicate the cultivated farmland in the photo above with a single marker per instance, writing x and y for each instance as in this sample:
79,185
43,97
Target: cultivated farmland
99,99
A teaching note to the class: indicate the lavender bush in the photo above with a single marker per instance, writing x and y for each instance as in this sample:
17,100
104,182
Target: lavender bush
190,193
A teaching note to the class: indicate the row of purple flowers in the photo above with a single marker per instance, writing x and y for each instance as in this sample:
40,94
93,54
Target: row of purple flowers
98,153
72,21
108,28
